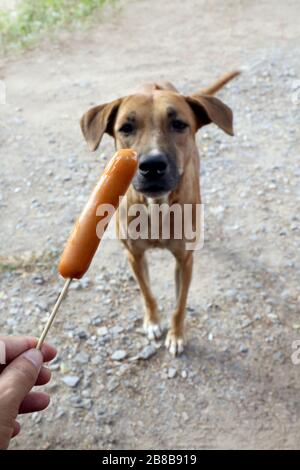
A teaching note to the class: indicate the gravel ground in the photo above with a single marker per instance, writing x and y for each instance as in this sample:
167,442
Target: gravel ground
235,386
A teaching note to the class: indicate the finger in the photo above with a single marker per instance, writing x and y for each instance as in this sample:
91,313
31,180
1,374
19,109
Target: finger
44,376
17,429
49,352
14,346
18,378
35,401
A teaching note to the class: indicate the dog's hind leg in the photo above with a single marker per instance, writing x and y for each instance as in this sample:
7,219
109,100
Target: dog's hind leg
151,318
183,276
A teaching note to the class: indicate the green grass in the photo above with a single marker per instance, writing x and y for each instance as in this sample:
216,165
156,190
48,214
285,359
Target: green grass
7,267
29,261
33,18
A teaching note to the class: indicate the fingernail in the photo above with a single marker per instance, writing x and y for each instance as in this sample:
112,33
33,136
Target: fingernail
34,356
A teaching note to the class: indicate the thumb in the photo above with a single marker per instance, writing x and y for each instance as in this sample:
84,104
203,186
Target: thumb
16,381
19,377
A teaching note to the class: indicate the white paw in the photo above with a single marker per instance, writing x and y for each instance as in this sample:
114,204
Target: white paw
174,344
152,330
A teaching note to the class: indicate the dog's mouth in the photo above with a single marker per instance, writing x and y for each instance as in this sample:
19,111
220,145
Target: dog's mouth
154,188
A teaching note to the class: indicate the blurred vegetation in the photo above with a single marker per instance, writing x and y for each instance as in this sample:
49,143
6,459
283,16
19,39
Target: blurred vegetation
29,261
23,25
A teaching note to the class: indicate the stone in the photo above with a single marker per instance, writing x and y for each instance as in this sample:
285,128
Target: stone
112,384
97,320
71,380
172,372
147,352
119,355
82,358
279,357
102,331
85,282
38,279
116,330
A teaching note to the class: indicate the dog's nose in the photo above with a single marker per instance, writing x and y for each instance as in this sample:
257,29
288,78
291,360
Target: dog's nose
153,166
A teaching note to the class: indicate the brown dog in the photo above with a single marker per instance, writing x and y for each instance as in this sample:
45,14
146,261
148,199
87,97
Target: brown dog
160,124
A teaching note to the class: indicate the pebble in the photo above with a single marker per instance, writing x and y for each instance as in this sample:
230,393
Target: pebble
71,380
279,357
79,402
184,374
38,279
243,349
75,285
36,417
116,330
102,331
147,352
273,317
172,372
85,282
192,311
247,323
82,358
54,366
60,413
112,384
42,305
81,334
123,369
96,320
119,355
96,360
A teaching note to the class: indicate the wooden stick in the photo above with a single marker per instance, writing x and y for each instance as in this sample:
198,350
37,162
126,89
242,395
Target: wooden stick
53,313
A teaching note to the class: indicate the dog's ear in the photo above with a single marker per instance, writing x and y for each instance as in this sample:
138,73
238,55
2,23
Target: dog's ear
98,120
210,109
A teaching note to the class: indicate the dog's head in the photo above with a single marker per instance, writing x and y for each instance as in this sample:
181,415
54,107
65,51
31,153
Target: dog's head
160,125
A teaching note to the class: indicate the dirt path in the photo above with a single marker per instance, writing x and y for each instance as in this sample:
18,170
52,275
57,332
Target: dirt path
235,386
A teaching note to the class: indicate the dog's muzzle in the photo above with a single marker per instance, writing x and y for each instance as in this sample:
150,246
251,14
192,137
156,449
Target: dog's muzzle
157,174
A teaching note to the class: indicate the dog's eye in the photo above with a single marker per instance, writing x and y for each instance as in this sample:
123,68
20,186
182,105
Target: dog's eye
126,128
178,125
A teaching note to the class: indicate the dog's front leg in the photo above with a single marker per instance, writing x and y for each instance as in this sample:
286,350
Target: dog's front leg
151,318
183,275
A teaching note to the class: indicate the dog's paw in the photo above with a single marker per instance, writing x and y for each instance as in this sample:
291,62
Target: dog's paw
152,330
174,343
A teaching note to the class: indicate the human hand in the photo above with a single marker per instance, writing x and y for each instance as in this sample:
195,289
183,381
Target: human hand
23,369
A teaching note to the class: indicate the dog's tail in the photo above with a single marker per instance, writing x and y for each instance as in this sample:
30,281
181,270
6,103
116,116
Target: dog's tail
212,89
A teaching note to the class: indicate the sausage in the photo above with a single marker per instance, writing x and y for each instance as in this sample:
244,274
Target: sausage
83,241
